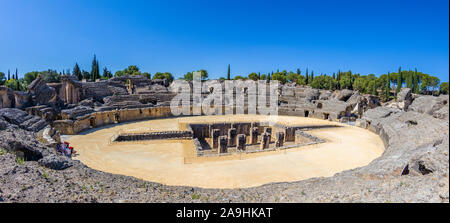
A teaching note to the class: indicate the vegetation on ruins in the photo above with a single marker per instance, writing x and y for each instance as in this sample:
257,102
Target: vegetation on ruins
131,70
189,76
165,75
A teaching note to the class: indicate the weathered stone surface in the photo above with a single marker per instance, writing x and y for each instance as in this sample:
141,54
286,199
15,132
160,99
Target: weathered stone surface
127,99
405,98
429,104
87,103
343,95
43,94
22,119
22,100
56,162
6,97
441,113
76,112
414,167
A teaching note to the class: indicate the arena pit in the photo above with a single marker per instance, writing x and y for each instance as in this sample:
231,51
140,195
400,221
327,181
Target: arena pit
235,151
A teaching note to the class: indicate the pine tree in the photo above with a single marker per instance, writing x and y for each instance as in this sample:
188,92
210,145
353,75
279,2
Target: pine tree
229,73
399,81
77,72
298,72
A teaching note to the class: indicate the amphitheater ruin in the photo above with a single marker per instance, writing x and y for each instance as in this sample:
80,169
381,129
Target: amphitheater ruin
125,126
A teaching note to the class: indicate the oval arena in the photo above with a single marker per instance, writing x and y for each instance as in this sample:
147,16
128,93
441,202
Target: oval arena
297,148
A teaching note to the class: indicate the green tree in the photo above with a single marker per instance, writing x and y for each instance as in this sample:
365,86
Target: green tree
409,79
443,88
13,84
30,77
166,75
399,81
189,76
2,78
323,82
292,77
279,76
263,77
239,77
229,73
95,70
372,87
361,84
307,76
50,76
253,76
147,75
129,71
388,87
77,72
86,75
106,74
345,82
416,82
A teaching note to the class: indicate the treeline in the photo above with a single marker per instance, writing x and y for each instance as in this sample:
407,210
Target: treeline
419,82
53,76
386,85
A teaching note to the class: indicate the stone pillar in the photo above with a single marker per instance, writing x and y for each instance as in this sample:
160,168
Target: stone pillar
265,141
223,145
279,137
241,141
268,130
232,137
254,135
289,135
215,133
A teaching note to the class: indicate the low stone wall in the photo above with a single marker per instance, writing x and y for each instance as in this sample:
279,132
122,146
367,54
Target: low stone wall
102,118
153,136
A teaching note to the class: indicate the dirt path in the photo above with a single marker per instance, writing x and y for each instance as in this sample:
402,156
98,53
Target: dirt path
163,161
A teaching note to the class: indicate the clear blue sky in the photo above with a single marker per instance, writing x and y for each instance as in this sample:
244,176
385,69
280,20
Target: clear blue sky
253,36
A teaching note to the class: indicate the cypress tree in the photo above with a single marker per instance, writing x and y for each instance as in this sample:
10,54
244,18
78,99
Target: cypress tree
399,81
334,76
229,73
17,75
95,71
374,88
388,87
259,75
307,77
312,76
409,80
298,71
9,75
77,72
415,82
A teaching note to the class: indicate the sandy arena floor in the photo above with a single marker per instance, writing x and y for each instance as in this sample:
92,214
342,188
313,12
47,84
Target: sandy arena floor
173,162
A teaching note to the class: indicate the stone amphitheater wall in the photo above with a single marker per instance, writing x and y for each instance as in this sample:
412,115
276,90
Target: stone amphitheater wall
102,118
